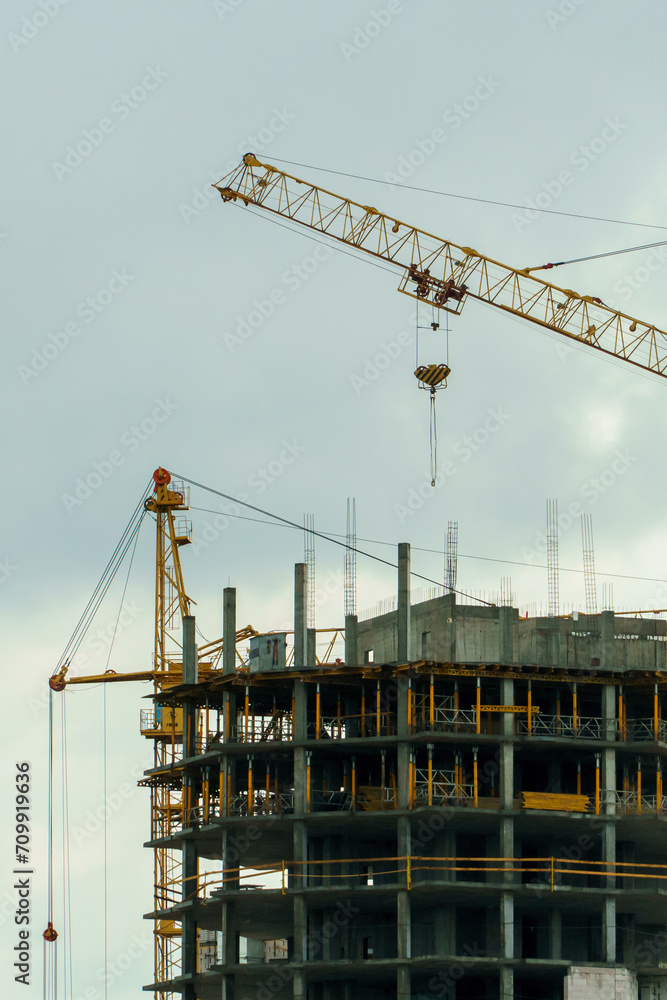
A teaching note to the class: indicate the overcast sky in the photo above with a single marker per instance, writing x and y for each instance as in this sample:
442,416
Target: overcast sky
148,324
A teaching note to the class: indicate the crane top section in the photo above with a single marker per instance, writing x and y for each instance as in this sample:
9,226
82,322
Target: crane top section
441,272
165,498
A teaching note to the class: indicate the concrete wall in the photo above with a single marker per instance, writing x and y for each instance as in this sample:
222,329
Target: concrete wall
587,983
447,632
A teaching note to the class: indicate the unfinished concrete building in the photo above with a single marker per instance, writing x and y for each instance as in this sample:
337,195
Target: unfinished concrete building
469,806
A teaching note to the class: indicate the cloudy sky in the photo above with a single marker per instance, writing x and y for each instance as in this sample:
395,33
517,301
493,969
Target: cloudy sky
148,324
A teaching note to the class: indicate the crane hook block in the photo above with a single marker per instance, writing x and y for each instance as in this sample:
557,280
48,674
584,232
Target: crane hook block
50,934
432,375
161,477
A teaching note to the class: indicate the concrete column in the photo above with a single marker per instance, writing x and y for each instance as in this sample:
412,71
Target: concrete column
190,672
300,606
451,614
609,696
506,617
404,646
507,983
190,676
188,925
609,930
300,730
229,630
507,925
403,923
311,646
229,945
506,840
403,749
300,911
607,641
506,776
507,698
351,655
403,991
300,710
553,641
608,780
299,985
555,934
404,943
300,780
300,930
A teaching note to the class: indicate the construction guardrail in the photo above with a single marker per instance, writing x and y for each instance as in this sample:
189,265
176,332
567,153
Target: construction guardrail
413,871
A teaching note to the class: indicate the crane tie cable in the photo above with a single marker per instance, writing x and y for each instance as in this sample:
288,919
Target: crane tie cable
320,534
595,256
465,197
126,541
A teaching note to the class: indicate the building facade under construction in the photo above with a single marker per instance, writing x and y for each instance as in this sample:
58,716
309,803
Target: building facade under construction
469,804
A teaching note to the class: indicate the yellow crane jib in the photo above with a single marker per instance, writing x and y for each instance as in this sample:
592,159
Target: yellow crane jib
441,272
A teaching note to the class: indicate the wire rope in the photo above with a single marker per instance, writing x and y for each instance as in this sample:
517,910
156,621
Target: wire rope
104,783
419,548
466,197
321,534
122,598
433,439
102,587
596,256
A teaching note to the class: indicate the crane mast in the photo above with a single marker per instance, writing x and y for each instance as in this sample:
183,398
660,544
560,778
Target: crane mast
441,272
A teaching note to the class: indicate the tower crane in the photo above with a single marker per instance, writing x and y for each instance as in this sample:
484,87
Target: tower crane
165,726
439,272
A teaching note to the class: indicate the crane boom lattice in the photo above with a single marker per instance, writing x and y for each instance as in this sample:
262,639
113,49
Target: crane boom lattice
441,272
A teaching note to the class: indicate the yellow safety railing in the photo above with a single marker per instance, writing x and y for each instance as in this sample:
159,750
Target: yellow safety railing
410,870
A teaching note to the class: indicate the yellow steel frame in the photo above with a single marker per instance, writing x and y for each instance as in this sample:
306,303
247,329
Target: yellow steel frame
171,605
444,274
